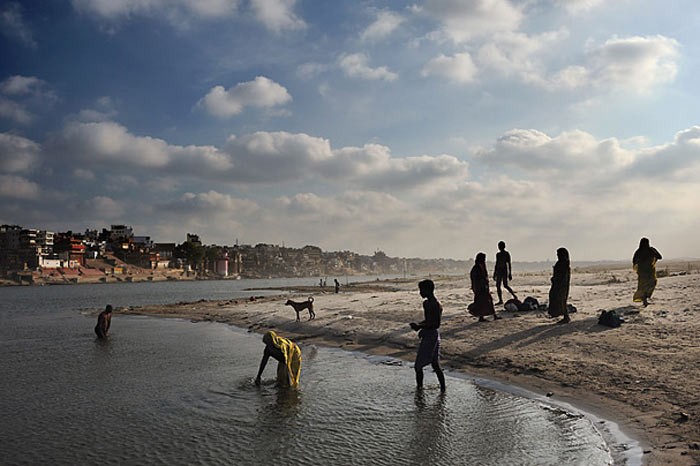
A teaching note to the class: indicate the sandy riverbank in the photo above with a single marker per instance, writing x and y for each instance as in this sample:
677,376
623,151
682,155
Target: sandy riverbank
643,375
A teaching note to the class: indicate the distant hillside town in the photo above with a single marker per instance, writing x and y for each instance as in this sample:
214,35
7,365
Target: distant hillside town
29,255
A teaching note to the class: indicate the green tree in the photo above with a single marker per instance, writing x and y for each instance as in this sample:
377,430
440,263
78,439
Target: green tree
192,253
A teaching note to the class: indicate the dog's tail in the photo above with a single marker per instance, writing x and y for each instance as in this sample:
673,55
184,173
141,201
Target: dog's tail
311,299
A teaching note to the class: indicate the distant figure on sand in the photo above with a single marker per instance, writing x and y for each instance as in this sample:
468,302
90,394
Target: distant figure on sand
337,285
644,263
104,320
502,272
559,291
288,356
483,302
429,333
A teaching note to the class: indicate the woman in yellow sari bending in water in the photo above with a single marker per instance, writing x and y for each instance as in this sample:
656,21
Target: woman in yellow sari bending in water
644,263
288,356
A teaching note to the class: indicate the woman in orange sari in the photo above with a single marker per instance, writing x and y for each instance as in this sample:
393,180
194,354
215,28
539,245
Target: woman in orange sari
644,263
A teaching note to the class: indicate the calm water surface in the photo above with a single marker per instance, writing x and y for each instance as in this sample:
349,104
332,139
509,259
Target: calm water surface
164,391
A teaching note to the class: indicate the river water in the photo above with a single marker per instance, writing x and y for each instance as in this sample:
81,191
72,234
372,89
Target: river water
164,391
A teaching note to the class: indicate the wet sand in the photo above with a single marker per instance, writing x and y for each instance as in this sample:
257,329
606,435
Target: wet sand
643,375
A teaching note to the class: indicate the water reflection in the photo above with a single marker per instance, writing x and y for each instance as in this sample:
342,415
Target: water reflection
429,439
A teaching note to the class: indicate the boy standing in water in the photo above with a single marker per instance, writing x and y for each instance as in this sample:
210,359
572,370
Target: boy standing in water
502,271
429,348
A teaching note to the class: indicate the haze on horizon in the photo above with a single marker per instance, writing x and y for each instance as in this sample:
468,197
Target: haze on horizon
427,128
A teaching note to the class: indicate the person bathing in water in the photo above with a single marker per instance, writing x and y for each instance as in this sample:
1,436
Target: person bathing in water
104,320
288,356
428,331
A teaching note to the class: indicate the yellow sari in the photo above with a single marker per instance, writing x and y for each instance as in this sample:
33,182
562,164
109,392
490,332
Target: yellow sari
646,279
288,372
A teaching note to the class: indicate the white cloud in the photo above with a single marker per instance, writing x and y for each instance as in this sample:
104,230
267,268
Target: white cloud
385,23
463,20
14,111
16,187
102,206
21,85
310,70
356,66
534,152
172,10
578,6
24,92
277,15
110,144
262,92
518,54
18,154
265,156
635,63
212,202
458,68
13,26
84,174
676,161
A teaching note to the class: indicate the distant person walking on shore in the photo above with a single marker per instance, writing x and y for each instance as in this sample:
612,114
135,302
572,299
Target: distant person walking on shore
559,291
644,263
337,285
502,272
429,333
483,302
104,320
288,356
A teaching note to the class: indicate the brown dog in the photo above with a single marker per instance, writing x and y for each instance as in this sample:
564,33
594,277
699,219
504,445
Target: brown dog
300,306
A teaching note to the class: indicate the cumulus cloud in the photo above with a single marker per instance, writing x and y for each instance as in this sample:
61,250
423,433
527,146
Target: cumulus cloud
534,152
635,63
13,26
458,68
14,111
679,160
262,92
463,20
384,24
175,11
578,6
356,66
104,206
277,15
18,154
19,93
515,53
16,187
111,144
211,202
269,156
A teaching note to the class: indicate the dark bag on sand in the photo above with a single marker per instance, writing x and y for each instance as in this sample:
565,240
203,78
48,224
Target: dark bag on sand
530,304
512,305
610,319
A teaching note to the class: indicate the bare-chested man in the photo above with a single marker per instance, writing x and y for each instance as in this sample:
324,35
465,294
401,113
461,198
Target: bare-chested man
502,272
104,320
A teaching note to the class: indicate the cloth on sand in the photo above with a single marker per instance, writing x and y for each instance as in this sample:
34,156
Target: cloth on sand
429,348
289,371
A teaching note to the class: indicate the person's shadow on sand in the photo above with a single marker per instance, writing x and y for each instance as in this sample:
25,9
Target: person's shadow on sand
537,334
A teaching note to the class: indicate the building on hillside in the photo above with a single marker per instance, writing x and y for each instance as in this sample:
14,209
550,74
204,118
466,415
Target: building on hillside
69,248
120,233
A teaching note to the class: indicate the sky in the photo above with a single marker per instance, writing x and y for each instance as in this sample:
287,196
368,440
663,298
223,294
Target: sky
424,128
